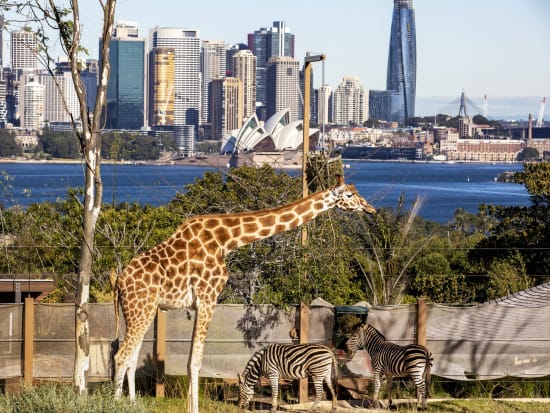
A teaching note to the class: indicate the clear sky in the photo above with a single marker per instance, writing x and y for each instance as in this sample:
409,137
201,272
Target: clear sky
500,48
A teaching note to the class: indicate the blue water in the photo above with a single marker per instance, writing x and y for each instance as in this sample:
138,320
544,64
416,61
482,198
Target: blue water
444,187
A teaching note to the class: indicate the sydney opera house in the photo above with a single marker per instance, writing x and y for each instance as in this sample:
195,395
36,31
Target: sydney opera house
277,134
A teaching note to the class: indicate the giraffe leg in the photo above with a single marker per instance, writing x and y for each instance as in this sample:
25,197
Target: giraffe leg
131,372
202,320
127,355
126,362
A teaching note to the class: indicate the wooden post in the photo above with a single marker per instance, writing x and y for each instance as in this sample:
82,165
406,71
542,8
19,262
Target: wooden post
160,353
421,321
304,338
28,337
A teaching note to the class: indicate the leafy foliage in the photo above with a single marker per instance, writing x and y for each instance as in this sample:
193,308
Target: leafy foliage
388,258
8,145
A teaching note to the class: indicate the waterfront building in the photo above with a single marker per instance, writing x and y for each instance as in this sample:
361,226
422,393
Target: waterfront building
325,105
226,106
89,79
283,87
2,40
187,80
265,43
59,91
277,134
126,90
350,102
401,74
244,68
213,66
3,103
381,104
487,150
24,50
161,86
32,118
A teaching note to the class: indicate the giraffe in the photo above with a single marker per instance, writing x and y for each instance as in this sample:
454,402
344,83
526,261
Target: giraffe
188,270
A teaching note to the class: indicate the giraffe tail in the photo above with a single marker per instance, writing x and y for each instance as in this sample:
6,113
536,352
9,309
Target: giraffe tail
113,279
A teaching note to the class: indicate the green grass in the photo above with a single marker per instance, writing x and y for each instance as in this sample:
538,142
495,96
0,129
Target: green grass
56,398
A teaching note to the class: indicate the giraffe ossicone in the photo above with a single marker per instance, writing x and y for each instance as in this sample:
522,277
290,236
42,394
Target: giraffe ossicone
188,270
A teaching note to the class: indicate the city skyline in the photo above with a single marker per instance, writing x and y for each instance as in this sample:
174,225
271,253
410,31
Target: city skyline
452,56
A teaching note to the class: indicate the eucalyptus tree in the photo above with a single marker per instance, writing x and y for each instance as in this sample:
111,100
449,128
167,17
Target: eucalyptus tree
59,24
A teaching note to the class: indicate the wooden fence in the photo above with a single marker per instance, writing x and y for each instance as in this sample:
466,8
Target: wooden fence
479,342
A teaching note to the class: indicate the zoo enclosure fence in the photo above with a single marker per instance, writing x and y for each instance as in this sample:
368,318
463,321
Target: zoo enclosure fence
487,341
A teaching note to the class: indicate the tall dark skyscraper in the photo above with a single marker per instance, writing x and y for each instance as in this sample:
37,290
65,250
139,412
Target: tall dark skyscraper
126,91
264,44
402,62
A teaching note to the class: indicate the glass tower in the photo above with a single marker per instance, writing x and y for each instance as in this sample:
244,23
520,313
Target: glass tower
264,44
402,61
126,90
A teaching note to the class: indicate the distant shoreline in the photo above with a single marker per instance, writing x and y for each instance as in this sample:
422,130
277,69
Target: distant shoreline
222,161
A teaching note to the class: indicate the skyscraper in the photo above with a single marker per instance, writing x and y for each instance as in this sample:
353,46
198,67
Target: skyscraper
126,89
325,103
161,86
187,81
350,102
24,50
244,68
32,118
213,66
226,106
264,44
402,61
283,87
59,91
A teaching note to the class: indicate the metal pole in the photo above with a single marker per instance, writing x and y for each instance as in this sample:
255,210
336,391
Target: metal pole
305,145
305,129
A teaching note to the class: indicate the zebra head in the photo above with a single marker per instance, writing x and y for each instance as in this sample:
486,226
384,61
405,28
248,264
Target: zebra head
248,379
360,338
246,391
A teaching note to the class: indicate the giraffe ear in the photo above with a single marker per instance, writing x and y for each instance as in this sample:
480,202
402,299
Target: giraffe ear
339,180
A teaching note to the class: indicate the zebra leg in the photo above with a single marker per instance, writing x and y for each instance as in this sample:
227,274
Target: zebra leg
375,400
328,381
420,391
389,383
318,386
274,379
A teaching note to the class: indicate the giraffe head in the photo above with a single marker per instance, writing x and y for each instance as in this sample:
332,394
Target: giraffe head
347,198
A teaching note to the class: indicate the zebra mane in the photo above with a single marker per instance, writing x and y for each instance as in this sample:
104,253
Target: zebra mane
366,327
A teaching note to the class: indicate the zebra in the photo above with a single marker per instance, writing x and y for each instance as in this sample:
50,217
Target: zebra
393,360
290,362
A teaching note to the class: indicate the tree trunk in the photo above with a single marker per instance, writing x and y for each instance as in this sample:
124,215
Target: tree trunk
92,207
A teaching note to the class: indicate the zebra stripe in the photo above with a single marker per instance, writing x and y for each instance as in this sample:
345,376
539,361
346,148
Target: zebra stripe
393,360
289,362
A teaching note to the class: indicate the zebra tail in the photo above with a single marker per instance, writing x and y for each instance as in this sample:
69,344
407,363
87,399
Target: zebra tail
335,374
427,373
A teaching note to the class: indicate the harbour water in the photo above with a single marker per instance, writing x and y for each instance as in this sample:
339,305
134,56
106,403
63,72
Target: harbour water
444,187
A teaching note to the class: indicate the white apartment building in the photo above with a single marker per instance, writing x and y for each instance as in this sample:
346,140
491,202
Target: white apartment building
350,102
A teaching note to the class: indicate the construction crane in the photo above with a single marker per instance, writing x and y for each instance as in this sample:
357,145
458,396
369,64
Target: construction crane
540,120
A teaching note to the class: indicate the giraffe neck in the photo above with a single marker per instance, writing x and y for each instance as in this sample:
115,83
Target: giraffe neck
258,225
